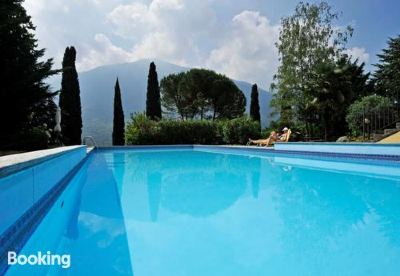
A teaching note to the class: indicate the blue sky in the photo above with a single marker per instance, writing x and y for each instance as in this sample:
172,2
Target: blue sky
235,37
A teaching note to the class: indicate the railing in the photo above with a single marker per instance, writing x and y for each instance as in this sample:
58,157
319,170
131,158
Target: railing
375,122
86,138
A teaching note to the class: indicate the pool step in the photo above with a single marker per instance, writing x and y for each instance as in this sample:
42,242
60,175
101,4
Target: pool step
377,136
383,134
389,131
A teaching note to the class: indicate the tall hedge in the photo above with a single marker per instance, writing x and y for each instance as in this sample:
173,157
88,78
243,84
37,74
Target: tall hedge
141,130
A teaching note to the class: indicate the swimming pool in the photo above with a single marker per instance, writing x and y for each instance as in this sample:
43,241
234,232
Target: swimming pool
216,211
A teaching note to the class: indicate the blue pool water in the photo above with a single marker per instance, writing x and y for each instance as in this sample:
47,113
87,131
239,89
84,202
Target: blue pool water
221,212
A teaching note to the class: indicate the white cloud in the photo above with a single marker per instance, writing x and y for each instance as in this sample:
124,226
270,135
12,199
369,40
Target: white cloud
358,53
166,29
103,52
129,19
185,32
192,33
249,51
167,4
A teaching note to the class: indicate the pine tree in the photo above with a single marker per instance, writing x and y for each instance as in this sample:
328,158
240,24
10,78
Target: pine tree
70,101
254,104
388,71
23,92
153,103
118,135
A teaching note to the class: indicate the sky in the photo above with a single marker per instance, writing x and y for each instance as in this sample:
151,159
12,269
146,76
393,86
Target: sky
234,37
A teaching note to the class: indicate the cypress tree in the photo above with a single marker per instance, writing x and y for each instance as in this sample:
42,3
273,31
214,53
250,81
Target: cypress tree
254,104
25,98
70,101
153,103
118,135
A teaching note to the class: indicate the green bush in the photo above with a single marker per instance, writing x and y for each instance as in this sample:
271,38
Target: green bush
239,130
143,131
33,139
187,132
366,107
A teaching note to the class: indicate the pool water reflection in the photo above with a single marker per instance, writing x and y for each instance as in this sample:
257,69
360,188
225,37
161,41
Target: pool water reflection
185,212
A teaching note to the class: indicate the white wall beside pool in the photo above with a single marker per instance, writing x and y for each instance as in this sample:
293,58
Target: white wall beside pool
348,148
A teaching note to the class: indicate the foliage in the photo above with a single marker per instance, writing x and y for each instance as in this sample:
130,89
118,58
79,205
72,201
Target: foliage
254,104
239,130
188,132
118,134
44,114
307,40
24,94
70,101
361,108
153,104
171,99
388,70
32,139
141,130
202,94
333,88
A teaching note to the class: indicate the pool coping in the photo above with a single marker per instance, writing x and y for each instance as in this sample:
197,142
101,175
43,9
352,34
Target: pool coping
13,163
10,164
270,150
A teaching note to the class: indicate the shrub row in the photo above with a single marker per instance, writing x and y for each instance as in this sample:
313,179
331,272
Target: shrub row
143,131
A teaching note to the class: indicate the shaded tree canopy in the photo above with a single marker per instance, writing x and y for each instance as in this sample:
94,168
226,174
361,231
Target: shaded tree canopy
153,103
26,101
254,104
70,100
201,93
118,134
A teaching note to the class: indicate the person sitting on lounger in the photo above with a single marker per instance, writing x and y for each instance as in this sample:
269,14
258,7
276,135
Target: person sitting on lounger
285,135
273,137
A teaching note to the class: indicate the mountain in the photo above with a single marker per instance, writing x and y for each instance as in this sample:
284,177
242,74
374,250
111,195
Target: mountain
97,94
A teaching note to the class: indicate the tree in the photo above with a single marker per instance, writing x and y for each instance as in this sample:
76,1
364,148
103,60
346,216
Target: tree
307,39
171,100
23,89
153,103
254,104
227,101
70,100
201,93
118,135
388,71
194,89
333,88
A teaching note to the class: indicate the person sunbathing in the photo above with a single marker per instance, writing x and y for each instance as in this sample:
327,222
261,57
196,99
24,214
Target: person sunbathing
273,137
285,135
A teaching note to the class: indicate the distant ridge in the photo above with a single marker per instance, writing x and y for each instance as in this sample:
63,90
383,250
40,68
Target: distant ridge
97,90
